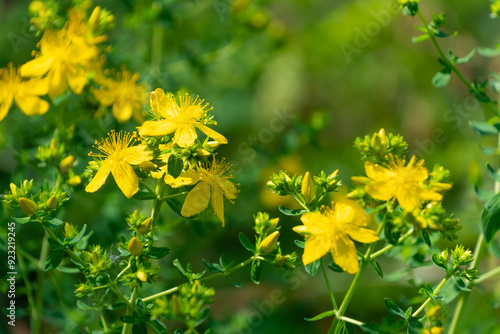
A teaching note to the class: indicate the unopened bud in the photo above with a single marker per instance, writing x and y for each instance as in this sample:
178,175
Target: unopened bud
267,245
273,224
94,18
202,153
52,202
135,246
142,276
145,226
66,164
28,206
75,181
211,145
69,230
308,188
360,180
13,189
280,261
301,229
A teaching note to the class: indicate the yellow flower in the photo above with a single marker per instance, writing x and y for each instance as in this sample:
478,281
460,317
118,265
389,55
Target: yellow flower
64,57
397,181
332,231
118,158
180,118
26,93
125,95
211,183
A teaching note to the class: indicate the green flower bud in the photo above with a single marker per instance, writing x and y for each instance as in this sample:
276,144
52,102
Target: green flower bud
142,276
75,181
66,164
308,188
13,189
52,202
202,153
267,245
280,261
69,230
211,145
135,246
145,226
28,206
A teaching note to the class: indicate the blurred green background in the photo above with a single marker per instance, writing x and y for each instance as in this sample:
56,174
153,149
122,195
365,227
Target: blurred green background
292,83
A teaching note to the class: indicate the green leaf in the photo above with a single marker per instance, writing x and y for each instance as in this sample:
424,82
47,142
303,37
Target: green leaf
489,150
176,205
160,326
484,128
427,239
300,243
335,267
467,58
490,222
495,174
68,270
53,260
442,78
82,306
495,248
344,328
290,212
53,222
139,328
376,267
441,34
321,316
488,52
393,308
256,271
246,243
144,195
414,326
23,220
76,238
313,267
128,319
421,38
371,328
179,267
212,267
175,165
158,252
460,283
483,194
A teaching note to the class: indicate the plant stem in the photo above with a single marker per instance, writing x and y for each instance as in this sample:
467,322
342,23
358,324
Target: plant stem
68,251
40,280
352,321
29,288
300,202
389,247
127,327
355,281
487,275
327,281
439,287
227,272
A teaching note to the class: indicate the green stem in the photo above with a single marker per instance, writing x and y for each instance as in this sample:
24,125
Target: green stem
487,275
175,195
389,247
27,283
355,281
122,272
68,251
352,321
103,320
227,272
127,327
300,202
120,295
40,282
327,281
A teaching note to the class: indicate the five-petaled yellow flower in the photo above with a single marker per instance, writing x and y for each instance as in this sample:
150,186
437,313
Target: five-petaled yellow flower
211,183
332,230
118,158
397,181
124,94
180,118
25,92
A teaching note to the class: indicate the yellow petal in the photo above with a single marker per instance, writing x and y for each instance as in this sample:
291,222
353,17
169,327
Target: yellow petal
315,222
344,213
212,133
185,135
36,67
136,155
196,200
76,80
344,253
32,105
35,87
5,104
429,195
163,105
316,247
382,190
218,203
361,234
57,82
122,111
157,128
100,177
105,97
185,179
409,199
228,189
125,178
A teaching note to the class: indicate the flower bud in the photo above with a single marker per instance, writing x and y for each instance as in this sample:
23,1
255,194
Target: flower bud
267,245
66,164
301,229
28,206
145,226
308,188
272,225
83,290
142,276
94,18
75,181
280,261
202,153
135,246
52,202
69,230
211,145
360,180
434,312
148,166
13,189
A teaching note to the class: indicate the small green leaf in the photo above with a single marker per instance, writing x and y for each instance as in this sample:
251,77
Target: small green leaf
290,212
321,316
459,282
68,270
179,267
414,326
139,328
421,38
376,267
488,52
335,267
300,243
175,165
160,326
489,150
483,194
393,308
212,267
82,306
53,222
176,205
76,238
427,239
53,260
484,128
246,243
158,252
467,58
256,271
371,328
23,220
144,195
313,267
495,174
442,78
